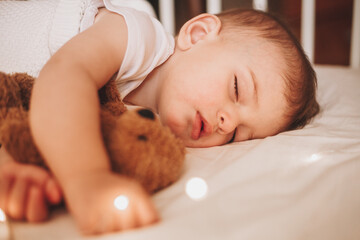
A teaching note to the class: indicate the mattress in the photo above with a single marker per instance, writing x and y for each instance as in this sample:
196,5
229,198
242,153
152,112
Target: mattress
301,184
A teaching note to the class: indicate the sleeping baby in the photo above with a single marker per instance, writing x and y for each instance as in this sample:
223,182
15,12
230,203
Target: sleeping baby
230,77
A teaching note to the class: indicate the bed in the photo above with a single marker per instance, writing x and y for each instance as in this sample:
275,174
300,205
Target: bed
301,184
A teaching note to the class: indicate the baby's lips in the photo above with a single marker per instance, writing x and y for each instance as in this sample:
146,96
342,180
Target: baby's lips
196,127
201,127
207,128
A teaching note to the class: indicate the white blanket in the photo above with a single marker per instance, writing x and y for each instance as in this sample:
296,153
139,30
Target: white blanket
302,184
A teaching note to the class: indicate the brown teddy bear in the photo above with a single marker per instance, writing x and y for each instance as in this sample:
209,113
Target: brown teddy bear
137,144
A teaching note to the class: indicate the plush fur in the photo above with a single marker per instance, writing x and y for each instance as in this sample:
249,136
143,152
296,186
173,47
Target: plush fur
137,144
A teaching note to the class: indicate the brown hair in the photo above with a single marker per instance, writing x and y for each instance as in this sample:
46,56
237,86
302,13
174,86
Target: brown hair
300,78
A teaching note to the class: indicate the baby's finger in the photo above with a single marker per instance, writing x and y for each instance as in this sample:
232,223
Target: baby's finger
5,185
17,199
36,174
125,218
146,212
36,209
53,191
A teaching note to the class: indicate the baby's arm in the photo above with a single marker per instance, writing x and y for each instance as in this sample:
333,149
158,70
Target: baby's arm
26,190
64,119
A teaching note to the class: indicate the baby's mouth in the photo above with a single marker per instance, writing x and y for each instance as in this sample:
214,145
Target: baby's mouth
196,127
200,127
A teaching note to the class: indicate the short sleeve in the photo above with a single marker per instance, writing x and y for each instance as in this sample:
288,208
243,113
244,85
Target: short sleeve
149,45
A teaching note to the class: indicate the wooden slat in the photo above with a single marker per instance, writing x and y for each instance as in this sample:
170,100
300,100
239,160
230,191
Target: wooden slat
308,27
167,15
355,36
260,5
213,6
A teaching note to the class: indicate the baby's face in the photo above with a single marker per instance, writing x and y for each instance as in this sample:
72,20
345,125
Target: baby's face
216,92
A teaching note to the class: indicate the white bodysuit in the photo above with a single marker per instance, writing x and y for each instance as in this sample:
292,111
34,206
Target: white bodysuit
32,31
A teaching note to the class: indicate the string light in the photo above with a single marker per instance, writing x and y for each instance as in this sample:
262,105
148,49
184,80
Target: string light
4,227
2,216
314,158
121,202
196,188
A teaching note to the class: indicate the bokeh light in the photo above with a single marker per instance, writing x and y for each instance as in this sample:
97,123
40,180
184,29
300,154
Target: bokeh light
196,188
2,216
121,202
314,158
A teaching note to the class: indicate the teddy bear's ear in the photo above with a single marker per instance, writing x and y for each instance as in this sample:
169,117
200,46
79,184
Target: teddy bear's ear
146,113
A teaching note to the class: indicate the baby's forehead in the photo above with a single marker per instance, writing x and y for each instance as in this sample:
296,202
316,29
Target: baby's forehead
250,49
260,52
251,40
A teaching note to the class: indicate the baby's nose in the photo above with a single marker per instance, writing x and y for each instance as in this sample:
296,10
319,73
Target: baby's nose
226,123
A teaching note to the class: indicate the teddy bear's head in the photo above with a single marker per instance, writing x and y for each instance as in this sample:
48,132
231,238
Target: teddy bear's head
144,149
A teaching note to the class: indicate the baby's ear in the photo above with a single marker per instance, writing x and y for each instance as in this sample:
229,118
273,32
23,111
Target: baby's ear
198,28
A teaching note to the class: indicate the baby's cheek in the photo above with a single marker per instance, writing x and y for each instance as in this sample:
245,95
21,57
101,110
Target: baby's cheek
242,134
175,126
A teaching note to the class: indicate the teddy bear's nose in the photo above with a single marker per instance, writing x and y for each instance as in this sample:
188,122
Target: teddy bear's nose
146,113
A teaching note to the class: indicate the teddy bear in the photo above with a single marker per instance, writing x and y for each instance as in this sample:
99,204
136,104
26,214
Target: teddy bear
138,145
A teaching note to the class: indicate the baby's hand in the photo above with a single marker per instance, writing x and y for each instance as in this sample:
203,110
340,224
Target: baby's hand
90,199
26,190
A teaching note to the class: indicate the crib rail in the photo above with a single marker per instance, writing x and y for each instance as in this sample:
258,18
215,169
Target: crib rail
167,17
355,36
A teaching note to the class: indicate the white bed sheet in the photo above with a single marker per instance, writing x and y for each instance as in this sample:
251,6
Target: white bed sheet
302,184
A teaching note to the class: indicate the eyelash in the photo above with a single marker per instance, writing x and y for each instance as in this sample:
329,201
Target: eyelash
237,98
236,88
